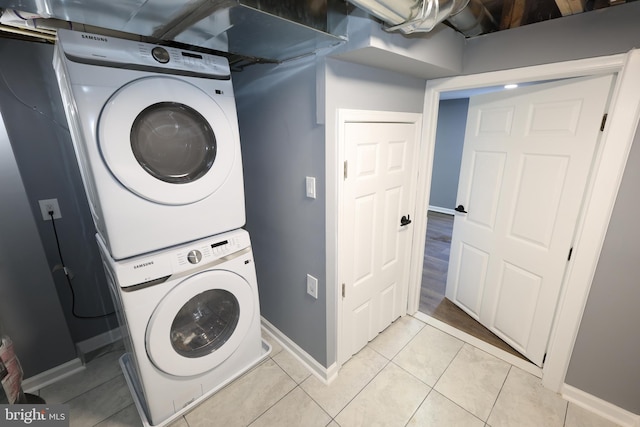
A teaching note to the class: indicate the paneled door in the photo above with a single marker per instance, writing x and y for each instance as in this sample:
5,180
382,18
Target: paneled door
378,203
525,165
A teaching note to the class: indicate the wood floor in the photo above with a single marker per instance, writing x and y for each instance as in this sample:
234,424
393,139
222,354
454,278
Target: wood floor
434,279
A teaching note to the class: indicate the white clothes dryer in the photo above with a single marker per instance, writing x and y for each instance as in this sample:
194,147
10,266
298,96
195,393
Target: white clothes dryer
190,318
156,137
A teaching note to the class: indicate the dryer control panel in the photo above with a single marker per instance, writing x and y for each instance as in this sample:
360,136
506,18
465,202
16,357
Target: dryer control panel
107,51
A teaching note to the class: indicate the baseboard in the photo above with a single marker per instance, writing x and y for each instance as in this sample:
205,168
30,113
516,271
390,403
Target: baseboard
98,341
600,407
478,343
326,375
442,210
43,379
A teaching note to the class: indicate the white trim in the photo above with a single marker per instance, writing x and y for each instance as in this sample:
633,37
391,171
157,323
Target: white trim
447,211
326,375
482,345
43,379
624,114
98,341
600,407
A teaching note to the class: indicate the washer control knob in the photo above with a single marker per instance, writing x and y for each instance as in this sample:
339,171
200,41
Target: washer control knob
194,256
160,54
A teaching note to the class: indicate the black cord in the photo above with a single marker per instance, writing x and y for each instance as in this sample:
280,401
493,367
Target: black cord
66,274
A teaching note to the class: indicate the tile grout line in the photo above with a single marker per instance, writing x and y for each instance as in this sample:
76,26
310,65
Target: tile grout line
413,414
276,402
368,382
498,395
448,365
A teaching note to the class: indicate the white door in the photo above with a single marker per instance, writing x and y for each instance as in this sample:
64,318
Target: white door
378,192
525,164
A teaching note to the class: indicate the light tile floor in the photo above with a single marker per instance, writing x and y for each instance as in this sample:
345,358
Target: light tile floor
411,375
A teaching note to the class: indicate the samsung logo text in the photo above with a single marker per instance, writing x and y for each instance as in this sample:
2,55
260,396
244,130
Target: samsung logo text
144,264
96,38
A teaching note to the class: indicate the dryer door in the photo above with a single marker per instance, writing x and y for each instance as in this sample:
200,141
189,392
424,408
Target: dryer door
200,323
167,140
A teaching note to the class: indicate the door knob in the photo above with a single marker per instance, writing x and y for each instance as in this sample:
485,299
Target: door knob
405,220
460,209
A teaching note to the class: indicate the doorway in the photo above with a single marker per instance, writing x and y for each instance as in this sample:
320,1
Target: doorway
603,186
526,162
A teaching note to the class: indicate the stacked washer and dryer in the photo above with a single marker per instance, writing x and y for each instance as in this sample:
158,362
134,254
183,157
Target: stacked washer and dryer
156,137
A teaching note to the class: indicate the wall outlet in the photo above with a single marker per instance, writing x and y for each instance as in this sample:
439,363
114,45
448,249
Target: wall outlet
312,286
49,205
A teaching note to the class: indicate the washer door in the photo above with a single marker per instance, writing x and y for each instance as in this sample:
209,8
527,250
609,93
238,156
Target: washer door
200,323
166,140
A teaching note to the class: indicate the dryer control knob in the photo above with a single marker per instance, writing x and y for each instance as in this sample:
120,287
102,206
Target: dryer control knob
160,54
194,256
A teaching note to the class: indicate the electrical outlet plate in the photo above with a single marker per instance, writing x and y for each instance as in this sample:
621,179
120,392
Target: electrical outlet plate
312,286
47,206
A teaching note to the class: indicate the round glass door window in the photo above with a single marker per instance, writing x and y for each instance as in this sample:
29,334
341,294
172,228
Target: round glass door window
168,141
173,142
204,323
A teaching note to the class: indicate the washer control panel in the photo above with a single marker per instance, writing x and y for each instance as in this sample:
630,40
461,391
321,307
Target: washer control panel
210,250
161,265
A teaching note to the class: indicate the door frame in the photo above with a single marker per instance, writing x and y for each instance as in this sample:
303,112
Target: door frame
345,115
600,195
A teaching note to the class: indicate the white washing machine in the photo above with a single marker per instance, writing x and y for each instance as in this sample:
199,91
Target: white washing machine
191,320
156,137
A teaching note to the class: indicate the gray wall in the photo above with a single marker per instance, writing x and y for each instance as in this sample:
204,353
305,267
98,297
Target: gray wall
607,350
452,119
279,108
281,145
37,128
30,312
605,359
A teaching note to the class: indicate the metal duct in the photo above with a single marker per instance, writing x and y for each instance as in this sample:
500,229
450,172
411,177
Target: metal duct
470,17
473,19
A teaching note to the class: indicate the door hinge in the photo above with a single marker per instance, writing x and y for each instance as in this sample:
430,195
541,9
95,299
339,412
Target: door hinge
570,252
345,169
343,290
604,120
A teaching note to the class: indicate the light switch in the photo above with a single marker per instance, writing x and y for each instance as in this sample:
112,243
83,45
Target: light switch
311,187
